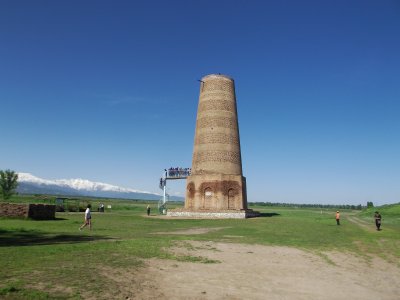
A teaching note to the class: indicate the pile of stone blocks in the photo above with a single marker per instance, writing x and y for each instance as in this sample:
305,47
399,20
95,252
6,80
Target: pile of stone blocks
33,211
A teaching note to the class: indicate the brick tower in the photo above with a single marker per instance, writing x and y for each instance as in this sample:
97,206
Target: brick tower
216,186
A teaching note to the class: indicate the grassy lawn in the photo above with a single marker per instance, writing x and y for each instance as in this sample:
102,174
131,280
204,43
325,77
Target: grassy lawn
54,260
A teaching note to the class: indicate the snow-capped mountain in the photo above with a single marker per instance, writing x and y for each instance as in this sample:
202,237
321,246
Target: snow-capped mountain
30,184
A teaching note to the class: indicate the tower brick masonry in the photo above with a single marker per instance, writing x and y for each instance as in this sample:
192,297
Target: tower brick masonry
216,186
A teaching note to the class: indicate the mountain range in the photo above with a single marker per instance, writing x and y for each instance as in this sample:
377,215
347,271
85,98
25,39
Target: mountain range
30,184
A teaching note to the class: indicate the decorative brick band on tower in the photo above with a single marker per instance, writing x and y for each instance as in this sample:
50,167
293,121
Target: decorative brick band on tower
216,184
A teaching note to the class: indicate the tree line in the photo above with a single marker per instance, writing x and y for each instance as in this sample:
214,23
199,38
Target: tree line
327,206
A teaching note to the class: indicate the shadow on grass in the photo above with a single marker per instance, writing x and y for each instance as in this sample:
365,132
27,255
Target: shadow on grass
30,238
267,215
50,220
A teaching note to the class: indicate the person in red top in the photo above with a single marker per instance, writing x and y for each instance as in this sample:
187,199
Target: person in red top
337,218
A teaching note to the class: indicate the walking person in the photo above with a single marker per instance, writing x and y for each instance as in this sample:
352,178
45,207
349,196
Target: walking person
148,210
88,218
337,217
378,219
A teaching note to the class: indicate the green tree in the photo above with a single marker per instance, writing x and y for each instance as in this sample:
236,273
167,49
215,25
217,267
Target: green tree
8,183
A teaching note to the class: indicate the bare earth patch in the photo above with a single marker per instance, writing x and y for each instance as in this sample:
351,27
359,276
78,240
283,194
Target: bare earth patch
265,272
192,231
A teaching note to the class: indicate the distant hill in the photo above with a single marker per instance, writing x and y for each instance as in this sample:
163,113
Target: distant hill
30,184
392,210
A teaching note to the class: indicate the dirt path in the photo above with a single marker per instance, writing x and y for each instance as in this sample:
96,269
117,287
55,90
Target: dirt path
263,272
361,223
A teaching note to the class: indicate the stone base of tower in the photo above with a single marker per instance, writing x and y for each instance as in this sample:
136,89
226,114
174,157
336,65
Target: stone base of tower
207,214
216,192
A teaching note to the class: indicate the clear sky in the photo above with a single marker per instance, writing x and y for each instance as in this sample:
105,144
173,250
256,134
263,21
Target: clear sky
108,91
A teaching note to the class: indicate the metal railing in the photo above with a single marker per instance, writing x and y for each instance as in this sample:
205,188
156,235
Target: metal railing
170,174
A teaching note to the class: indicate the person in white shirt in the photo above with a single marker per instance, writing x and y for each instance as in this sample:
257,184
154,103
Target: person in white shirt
88,218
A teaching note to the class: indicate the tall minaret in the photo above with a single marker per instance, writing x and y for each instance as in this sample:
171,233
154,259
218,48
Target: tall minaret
216,182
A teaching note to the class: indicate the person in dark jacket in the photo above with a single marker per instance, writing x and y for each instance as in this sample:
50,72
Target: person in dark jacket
378,219
148,210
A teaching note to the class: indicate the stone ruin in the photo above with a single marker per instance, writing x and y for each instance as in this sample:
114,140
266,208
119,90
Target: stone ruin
33,211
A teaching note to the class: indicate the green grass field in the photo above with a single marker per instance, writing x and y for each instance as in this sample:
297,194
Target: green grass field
50,259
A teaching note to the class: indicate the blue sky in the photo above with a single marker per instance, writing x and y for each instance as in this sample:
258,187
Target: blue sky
108,91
